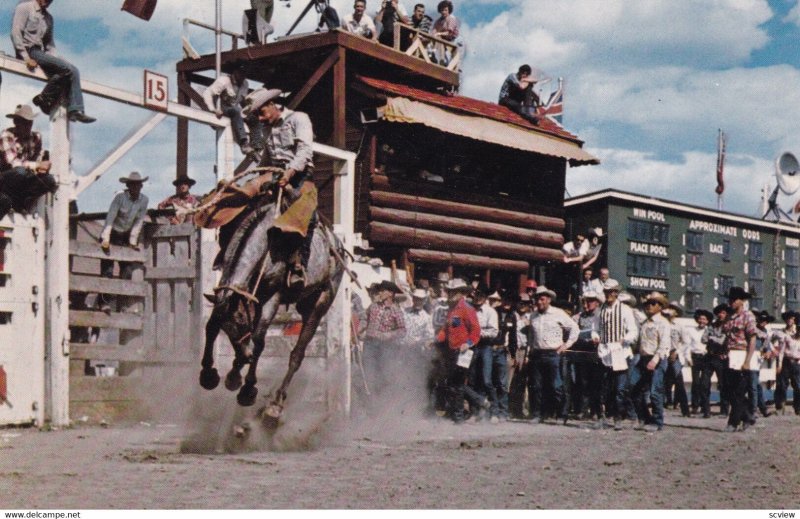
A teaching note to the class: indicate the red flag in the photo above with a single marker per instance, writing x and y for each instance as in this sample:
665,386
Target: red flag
140,8
720,163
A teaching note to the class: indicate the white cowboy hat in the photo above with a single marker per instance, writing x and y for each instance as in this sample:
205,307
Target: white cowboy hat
457,284
496,296
419,293
544,291
133,177
591,294
258,98
24,111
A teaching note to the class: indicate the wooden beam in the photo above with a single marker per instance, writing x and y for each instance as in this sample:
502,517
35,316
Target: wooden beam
466,260
182,140
185,91
470,227
93,250
104,320
84,351
184,230
169,273
339,136
323,69
459,210
435,240
101,285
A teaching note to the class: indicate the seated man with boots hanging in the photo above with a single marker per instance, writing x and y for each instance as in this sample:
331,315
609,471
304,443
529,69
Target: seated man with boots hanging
288,137
24,166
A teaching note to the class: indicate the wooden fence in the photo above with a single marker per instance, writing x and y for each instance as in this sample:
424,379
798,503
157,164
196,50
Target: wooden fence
154,325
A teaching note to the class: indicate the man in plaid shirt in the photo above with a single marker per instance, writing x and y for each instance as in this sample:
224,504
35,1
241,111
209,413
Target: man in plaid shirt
740,335
383,337
24,168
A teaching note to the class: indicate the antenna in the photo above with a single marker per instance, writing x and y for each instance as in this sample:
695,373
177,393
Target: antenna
787,173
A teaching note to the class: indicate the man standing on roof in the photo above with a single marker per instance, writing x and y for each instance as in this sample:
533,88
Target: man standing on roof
32,35
517,93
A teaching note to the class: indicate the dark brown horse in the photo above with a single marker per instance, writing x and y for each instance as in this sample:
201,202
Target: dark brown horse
252,287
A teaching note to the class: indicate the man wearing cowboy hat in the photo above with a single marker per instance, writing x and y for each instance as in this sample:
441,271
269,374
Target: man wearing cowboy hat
697,340
588,370
780,347
460,333
647,375
24,168
182,199
124,222
788,369
717,357
740,336
519,359
755,393
419,327
480,376
676,359
230,92
618,331
383,337
289,137
32,36
548,327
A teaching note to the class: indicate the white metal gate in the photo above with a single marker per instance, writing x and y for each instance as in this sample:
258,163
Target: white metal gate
22,351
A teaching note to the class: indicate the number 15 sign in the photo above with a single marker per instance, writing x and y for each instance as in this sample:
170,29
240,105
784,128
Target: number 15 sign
156,90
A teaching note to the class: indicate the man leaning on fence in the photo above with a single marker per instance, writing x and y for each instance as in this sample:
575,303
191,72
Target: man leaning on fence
124,222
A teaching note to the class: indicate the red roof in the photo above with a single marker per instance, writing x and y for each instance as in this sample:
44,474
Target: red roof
470,106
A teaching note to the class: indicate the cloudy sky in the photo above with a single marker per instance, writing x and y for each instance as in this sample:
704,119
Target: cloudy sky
648,84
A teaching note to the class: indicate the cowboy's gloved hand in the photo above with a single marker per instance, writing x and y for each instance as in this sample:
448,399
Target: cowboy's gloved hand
134,246
106,246
31,64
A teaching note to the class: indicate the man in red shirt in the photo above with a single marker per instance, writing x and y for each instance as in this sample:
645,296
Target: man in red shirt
461,332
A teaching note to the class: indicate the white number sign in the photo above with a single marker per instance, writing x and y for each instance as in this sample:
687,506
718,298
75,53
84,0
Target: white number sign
156,90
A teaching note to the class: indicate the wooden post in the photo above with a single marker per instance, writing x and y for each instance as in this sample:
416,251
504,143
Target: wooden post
338,139
57,276
182,155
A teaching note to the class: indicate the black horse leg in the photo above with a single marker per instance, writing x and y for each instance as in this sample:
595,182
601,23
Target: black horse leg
209,377
247,394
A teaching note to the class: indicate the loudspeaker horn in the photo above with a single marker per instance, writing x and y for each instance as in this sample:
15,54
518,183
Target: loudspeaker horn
787,171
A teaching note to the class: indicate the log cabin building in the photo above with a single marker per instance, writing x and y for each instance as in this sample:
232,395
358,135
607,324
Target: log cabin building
443,182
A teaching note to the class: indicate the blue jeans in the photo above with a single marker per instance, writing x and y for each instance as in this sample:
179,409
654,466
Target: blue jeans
675,378
618,404
547,385
500,383
480,373
755,393
793,369
643,381
61,75
234,113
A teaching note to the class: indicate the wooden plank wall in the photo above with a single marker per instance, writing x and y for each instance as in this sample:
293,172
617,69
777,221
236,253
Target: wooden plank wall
153,330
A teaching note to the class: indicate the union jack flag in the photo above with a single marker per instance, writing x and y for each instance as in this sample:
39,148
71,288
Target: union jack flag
553,109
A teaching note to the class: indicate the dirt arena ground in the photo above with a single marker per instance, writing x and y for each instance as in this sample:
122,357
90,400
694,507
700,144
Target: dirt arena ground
403,462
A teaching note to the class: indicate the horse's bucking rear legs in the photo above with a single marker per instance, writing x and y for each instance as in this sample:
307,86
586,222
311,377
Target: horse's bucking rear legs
312,311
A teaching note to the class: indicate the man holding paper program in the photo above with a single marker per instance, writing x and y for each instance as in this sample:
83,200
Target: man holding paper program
740,338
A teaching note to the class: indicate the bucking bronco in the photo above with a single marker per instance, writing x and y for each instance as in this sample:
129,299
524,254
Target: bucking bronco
254,284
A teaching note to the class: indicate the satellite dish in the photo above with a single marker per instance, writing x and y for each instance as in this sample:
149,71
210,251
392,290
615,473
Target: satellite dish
787,171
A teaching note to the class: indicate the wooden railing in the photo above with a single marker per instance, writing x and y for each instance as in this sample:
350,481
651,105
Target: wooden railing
429,48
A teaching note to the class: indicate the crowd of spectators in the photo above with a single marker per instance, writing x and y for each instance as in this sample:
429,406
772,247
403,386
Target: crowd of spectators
614,360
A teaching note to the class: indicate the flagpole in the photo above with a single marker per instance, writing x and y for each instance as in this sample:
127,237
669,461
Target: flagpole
218,30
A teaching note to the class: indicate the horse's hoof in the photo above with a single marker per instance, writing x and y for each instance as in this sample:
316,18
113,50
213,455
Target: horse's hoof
247,396
209,378
233,380
271,415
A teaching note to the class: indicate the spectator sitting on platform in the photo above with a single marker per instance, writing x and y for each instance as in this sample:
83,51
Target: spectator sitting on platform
24,168
517,93
32,35
392,12
182,199
359,23
446,27
231,92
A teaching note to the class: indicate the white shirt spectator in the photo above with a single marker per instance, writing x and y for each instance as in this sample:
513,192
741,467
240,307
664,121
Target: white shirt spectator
696,340
364,27
419,327
228,94
547,329
487,317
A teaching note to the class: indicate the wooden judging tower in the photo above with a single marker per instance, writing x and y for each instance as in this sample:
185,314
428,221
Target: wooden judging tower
443,182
